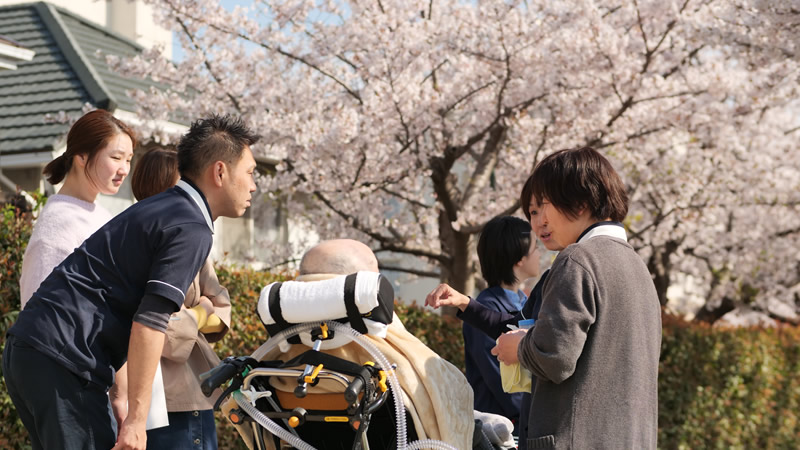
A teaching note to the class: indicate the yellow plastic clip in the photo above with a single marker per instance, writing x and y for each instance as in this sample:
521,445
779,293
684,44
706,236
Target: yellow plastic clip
335,419
382,382
369,363
324,329
310,378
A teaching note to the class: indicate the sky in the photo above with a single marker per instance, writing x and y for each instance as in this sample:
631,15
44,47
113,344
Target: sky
177,51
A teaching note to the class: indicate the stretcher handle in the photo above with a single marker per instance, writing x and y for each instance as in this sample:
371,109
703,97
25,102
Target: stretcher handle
226,370
352,390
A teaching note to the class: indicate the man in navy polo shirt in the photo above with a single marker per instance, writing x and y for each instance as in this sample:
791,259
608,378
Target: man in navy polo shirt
110,300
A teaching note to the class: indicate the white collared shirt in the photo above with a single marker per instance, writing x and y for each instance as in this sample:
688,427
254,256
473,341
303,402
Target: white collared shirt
198,198
615,231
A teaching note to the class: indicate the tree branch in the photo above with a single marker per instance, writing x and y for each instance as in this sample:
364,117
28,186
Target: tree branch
466,96
277,50
475,229
281,263
419,272
405,198
506,80
385,242
665,96
485,164
207,63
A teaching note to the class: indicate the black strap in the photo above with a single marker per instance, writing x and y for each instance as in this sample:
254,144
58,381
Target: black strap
275,306
330,362
353,314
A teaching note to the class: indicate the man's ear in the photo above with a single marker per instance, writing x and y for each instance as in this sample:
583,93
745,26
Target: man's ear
219,171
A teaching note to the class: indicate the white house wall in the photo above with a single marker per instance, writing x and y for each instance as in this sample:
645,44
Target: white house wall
132,19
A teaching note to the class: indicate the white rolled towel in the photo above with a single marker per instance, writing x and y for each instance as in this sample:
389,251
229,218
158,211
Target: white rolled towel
312,301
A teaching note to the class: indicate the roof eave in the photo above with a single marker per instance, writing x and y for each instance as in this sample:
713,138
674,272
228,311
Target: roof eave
72,52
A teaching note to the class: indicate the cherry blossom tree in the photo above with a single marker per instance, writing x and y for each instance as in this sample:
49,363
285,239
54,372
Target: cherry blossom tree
410,123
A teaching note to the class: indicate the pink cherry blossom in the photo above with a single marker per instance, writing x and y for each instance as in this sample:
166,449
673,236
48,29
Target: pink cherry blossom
408,124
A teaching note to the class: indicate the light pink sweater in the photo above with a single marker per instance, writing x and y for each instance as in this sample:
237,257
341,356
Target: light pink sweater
63,225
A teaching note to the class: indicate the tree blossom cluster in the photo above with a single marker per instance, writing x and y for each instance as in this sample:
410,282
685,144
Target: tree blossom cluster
408,123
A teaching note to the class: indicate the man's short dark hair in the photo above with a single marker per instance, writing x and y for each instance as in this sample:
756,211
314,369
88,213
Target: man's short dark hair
578,178
504,241
215,138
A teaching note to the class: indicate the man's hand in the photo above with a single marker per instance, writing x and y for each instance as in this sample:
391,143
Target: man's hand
119,396
444,295
507,345
144,352
132,436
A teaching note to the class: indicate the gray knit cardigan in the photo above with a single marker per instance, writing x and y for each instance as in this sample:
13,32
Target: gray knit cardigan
595,351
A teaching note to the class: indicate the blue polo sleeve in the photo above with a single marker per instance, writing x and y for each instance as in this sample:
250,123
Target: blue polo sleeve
179,254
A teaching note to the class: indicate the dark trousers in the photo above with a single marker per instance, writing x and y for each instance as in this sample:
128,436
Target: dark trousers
522,426
187,430
59,409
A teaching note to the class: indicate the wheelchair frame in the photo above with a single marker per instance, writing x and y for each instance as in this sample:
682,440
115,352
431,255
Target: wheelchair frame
253,393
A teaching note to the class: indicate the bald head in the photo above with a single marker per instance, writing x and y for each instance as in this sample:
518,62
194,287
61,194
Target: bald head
338,256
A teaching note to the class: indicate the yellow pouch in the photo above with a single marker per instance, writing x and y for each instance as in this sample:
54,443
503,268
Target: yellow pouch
515,378
213,325
201,314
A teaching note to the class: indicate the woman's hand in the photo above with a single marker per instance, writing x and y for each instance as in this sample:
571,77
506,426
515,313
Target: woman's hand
203,311
507,345
207,305
444,295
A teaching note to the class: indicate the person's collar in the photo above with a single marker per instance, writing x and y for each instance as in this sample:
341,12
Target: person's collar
605,228
198,197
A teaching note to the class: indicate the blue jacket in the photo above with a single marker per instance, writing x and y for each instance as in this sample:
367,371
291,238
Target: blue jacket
483,369
494,323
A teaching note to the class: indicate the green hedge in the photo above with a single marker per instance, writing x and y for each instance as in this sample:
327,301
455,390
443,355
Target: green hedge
15,230
734,388
246,333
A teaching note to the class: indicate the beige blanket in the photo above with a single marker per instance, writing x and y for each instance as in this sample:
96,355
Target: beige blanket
436,393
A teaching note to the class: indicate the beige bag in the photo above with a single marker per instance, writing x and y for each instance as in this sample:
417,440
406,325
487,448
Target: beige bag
515,378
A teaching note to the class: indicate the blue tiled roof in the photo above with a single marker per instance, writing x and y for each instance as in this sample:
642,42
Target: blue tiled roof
65,73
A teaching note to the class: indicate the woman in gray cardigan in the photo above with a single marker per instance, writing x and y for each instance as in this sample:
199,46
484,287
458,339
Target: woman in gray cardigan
596,345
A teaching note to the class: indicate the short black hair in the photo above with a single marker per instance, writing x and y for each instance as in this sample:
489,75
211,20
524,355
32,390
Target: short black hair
578,178
504,241
214,138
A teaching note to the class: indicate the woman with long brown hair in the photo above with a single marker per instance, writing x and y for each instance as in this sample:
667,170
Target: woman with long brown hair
97,160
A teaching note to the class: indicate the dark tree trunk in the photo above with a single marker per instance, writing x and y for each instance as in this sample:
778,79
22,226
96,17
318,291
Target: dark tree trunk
708,315
458,271
660,268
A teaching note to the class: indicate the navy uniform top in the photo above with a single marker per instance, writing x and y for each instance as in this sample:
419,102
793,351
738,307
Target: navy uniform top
482,368
82,313
494,323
